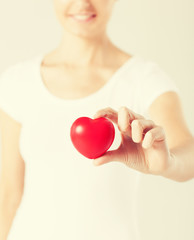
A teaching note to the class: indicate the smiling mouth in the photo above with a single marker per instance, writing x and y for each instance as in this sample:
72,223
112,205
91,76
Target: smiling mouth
83,17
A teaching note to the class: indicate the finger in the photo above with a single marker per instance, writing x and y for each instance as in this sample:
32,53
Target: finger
156,134
139,127
110,156
125,118
108,113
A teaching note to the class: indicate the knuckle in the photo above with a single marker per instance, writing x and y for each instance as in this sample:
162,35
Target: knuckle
160,128
100,111
108,109
126,127
123,108
123,126
151,122
136,123
140,116
150,135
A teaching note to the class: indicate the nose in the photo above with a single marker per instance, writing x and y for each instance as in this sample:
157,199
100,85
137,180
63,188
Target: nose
81,3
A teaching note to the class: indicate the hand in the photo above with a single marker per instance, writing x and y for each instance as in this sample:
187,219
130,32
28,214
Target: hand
143,144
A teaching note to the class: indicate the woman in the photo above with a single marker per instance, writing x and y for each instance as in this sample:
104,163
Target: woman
53,192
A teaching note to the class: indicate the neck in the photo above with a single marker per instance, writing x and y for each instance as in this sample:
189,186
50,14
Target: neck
81,51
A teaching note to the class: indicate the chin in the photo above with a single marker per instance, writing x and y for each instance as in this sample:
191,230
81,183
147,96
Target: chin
88,34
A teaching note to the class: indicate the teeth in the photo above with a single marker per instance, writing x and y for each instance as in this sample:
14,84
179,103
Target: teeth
83,17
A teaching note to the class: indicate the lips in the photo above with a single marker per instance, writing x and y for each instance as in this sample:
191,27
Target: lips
83,17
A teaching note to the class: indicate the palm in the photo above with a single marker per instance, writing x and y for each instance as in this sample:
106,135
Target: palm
154,159
133,155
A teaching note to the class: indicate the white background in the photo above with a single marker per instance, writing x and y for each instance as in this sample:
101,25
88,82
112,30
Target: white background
160,30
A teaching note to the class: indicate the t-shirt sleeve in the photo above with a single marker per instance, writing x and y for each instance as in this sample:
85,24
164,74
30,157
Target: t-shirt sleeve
10,93
154,83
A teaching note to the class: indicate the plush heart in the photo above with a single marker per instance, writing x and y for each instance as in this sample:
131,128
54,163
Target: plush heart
92,137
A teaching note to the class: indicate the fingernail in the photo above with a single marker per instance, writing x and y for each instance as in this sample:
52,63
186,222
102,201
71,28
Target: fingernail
145,145
95,163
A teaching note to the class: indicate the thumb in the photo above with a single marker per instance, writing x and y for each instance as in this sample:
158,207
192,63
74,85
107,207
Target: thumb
110,156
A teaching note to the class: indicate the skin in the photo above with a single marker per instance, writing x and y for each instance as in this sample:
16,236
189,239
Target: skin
161,145
85,58
90,45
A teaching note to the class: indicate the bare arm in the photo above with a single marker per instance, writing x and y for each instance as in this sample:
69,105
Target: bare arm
166,111
8,208
161,145
12,173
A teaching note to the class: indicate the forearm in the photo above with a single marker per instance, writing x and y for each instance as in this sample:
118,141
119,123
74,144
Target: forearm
8,210
182,163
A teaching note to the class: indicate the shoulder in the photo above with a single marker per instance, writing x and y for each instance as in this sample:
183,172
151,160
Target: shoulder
16,83
140,67
145,80
139,72
154,84
18,78
17,70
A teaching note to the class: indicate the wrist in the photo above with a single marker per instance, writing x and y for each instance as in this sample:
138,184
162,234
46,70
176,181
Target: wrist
171,171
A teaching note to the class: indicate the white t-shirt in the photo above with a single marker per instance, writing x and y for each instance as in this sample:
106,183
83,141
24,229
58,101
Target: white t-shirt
65,196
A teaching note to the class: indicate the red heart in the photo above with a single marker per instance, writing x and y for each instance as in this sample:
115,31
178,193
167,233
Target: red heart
92,137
